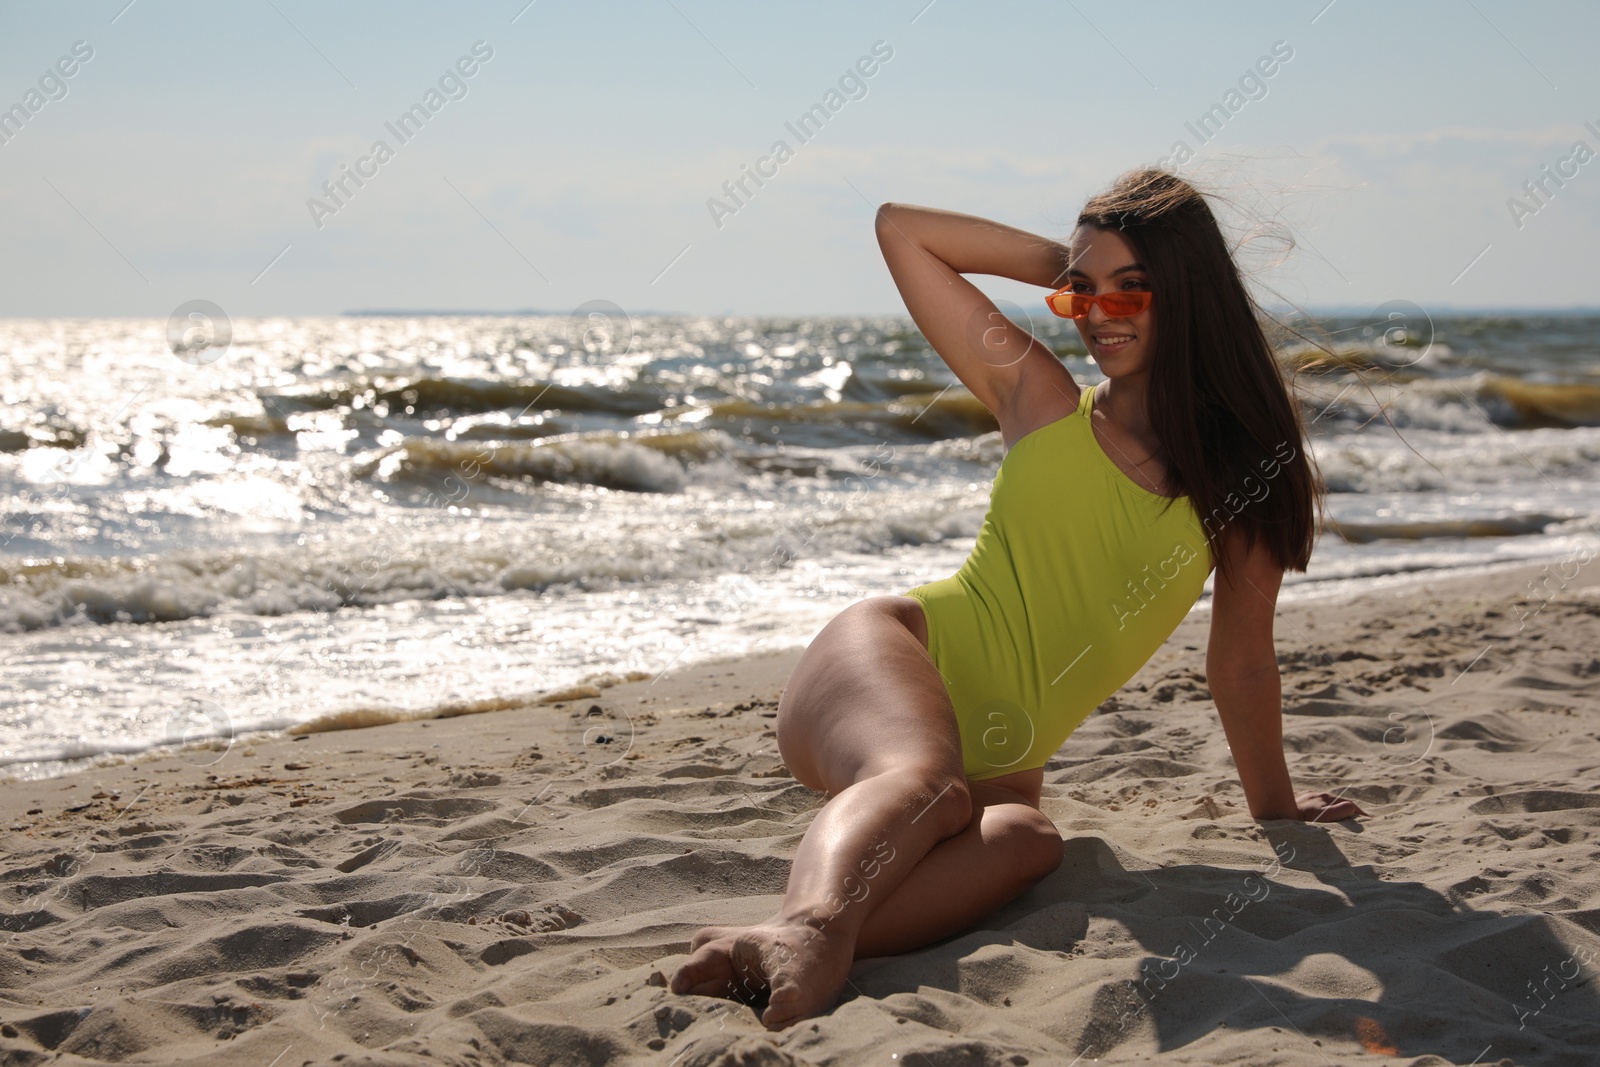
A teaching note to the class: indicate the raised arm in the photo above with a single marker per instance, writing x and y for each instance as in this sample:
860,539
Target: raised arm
927,251
1242,671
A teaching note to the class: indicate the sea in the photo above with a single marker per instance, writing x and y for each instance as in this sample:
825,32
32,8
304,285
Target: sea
213,529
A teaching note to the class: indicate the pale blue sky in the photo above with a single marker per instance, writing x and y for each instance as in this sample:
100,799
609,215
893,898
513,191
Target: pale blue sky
579,163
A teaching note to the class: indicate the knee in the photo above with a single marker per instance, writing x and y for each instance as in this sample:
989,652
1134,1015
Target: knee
958,806
943,799
1036,844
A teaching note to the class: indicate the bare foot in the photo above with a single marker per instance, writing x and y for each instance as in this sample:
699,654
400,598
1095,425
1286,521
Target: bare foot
804,968
708,972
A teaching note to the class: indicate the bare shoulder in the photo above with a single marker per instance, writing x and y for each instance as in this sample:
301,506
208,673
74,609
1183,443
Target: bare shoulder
1044,392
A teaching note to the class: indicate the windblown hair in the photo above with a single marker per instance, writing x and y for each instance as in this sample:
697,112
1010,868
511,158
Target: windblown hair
1230,432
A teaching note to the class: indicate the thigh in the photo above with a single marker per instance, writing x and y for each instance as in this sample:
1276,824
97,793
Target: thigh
865,697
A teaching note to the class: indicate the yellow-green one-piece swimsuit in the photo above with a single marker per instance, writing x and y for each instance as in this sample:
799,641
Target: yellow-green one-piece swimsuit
1078,575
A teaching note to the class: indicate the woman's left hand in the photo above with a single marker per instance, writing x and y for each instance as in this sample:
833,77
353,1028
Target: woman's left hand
1325,807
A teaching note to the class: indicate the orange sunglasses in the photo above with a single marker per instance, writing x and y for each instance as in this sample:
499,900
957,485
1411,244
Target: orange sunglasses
1118,305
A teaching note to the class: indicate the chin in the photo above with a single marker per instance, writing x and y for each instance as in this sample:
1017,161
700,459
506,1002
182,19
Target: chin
1121,365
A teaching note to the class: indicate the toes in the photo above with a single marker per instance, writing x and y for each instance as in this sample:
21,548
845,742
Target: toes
789,1002
784,1007
707,933
713,987
707,973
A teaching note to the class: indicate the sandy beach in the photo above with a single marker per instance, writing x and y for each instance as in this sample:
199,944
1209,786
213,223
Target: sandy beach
508,886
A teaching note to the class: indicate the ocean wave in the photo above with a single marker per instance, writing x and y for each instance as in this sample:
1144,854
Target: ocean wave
986,450
651,461
429,396
1474,404
97,592
912,415
1423,460
648,463
1360,533
42,435
259,424
1535,404
510,557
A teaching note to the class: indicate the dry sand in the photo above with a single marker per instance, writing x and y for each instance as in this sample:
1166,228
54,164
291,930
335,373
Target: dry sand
488,889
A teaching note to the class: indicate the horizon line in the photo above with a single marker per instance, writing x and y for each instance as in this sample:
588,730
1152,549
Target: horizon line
1440,310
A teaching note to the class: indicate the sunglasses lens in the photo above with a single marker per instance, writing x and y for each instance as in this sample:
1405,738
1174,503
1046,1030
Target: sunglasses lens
1115,305
1118,305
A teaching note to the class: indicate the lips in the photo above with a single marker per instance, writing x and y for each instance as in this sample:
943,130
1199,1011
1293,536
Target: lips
1111,342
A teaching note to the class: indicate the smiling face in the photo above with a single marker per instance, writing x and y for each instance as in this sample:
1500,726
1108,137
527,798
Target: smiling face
1104,262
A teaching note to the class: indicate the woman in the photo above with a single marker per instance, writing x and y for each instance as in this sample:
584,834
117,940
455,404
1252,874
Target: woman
927,718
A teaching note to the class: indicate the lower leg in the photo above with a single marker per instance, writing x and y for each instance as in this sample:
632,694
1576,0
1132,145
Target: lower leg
863,843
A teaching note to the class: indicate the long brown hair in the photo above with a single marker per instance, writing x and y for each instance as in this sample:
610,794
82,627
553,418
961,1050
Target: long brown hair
1217,399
